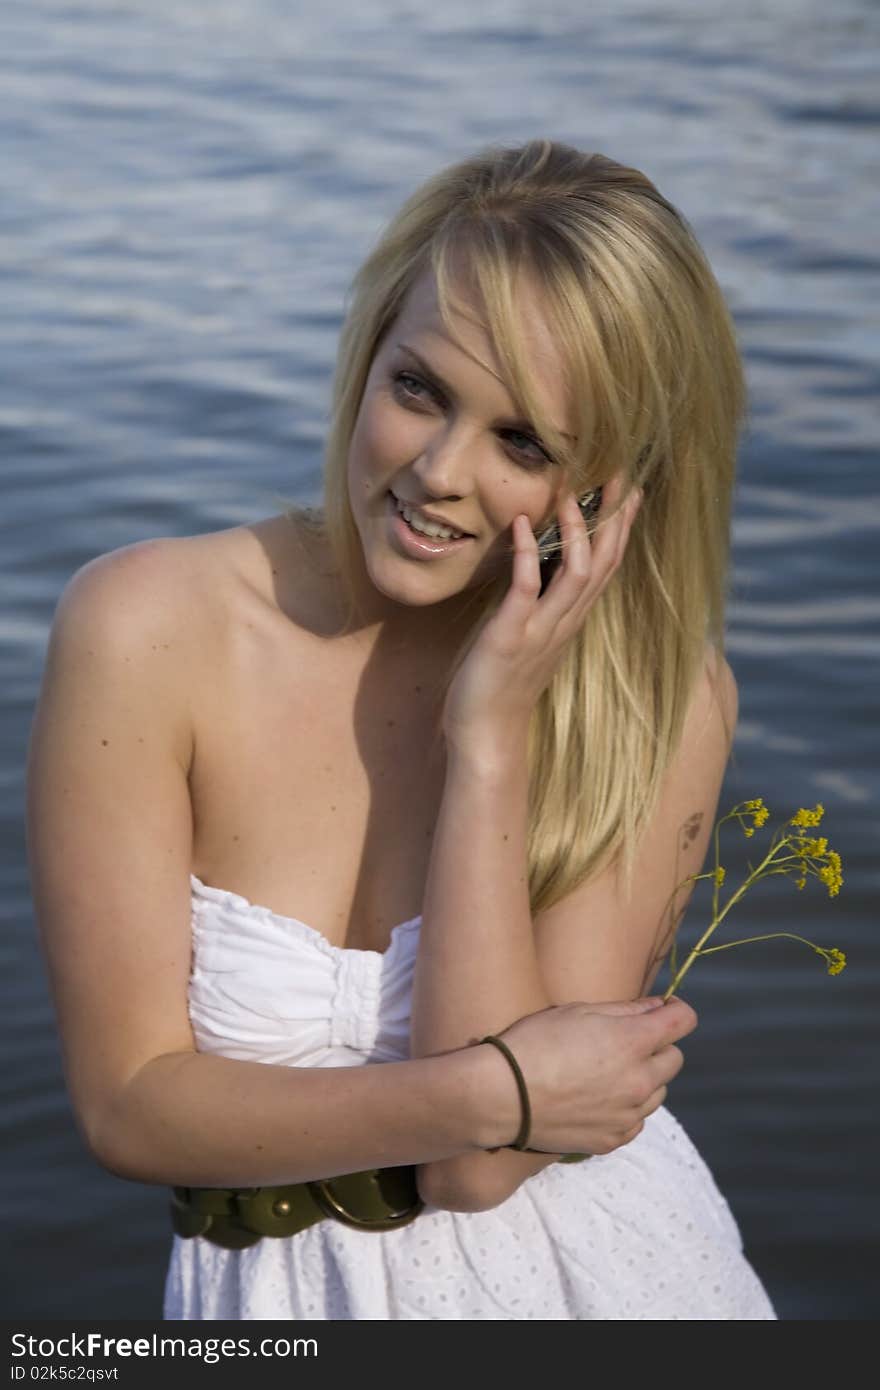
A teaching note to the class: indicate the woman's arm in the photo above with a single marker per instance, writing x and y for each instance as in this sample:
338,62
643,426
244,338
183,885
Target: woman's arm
476,969
191,1119
109,830
482,960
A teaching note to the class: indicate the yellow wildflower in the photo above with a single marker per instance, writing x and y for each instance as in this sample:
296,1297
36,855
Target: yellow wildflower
836,961
793,854
830,874
759,813
812,848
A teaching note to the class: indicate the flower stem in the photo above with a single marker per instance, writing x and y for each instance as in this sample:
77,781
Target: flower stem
717,918
743,941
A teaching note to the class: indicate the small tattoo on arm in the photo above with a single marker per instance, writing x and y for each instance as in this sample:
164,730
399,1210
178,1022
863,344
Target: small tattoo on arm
691,828
674,911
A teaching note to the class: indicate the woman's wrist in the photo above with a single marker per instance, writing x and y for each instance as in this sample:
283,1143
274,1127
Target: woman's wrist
492,1096
493,762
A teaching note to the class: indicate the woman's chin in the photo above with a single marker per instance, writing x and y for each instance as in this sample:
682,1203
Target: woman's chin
411,591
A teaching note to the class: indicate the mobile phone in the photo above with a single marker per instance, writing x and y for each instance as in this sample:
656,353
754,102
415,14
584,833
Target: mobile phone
548,555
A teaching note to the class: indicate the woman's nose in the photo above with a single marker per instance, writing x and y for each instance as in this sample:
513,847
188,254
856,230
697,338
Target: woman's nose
447,463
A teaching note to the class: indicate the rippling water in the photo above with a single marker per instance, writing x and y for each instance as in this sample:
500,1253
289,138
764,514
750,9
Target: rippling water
186,190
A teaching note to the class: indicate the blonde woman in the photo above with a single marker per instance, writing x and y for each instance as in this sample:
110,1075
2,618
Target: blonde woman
354,833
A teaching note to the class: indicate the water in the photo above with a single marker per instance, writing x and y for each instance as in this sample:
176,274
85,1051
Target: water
185,191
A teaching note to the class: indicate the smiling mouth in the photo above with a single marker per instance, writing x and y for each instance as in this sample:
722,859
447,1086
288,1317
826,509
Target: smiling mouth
436,531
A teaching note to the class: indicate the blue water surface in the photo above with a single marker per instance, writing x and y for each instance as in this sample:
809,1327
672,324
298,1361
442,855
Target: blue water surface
186,189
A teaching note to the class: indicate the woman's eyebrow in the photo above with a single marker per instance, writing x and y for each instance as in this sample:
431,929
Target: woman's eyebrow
436,378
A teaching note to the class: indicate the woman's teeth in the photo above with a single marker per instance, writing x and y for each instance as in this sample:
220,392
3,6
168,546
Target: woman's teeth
427,528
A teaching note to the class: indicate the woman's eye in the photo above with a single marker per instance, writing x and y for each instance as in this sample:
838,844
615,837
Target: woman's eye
539,453
402,380
408,387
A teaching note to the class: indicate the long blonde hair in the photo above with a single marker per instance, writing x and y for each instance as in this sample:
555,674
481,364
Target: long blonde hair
657,387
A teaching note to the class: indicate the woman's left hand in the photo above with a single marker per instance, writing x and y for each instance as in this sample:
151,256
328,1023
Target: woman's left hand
515,655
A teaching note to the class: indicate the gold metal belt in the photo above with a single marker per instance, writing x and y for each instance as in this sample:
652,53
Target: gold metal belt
378,1199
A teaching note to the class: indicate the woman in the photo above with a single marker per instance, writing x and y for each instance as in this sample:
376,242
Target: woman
446,782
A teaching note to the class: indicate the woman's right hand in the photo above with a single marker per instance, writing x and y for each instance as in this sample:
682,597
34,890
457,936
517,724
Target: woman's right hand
593,1072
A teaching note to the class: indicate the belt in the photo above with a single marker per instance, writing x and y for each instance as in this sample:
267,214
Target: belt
378,1199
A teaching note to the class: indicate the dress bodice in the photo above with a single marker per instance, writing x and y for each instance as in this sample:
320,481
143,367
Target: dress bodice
270,988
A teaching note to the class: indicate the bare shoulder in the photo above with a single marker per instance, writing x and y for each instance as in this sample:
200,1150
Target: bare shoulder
175,577
716,694
699,762
146,611
156,579
173,590
171,610
142,579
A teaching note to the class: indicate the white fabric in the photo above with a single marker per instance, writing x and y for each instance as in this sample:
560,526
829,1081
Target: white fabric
641,1233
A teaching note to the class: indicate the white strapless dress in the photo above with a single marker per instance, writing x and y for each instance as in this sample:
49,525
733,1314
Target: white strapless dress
641,1233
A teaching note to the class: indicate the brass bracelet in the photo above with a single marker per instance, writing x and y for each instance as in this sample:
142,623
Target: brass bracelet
520,1143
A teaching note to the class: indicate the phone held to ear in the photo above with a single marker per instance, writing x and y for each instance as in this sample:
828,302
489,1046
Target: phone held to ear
548,555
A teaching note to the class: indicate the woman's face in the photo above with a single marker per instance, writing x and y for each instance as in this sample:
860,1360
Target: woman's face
438,430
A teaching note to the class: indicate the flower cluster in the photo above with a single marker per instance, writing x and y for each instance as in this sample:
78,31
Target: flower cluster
836,960
829,873
756,809
791,853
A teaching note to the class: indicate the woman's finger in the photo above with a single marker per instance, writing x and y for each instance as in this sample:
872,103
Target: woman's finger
654,1101
586,563
614,536
631,1134
525,582
611,525
582,587
665,1064
575,570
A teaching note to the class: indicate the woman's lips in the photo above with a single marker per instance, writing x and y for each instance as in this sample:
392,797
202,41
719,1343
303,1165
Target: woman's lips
413,542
